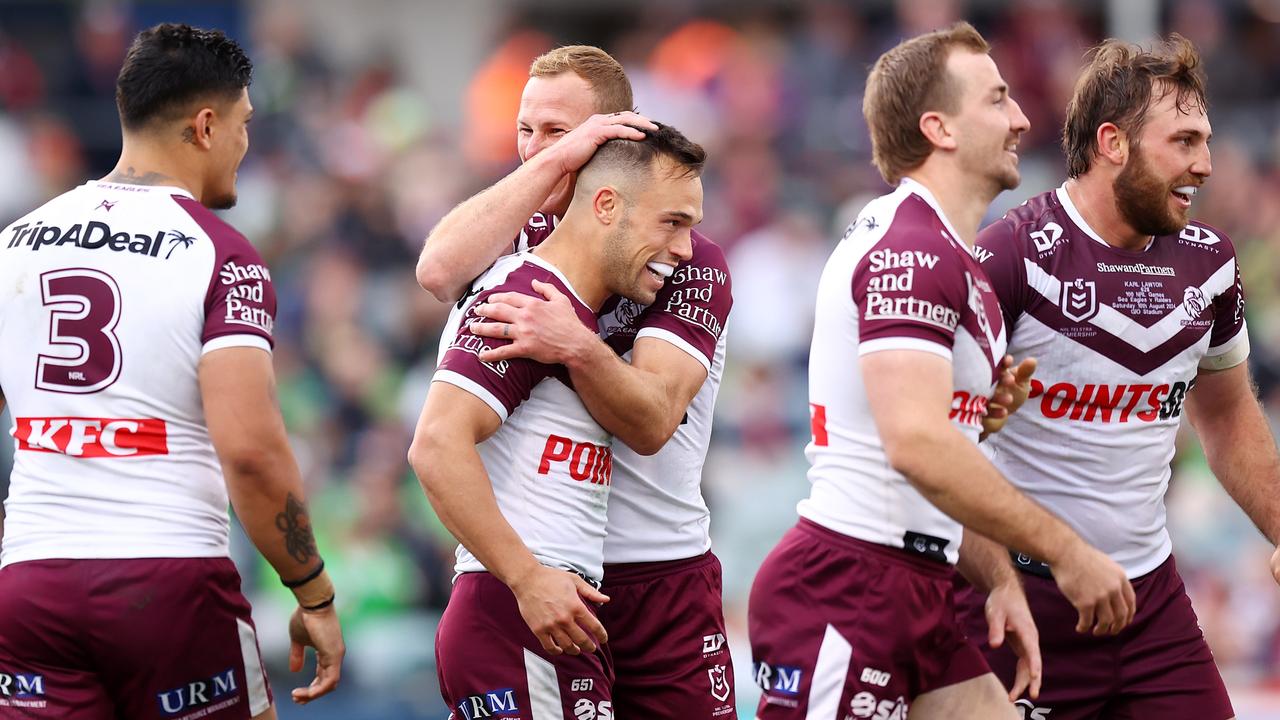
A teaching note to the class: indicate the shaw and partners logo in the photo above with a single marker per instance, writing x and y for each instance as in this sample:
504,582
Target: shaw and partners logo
246,294
202,697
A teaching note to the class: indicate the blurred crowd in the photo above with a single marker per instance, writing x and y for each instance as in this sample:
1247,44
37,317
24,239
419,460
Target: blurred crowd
349,167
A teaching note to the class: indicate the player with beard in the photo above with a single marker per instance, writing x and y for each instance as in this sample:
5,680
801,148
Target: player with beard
1129,306
649,373
136,329
852,614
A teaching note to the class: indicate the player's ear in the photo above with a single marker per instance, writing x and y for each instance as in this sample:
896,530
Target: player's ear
200,130
934,127
606,205
1112,144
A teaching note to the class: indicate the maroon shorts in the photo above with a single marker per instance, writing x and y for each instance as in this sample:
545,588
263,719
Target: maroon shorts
490,664
667,636
840,627
162,638
1158,667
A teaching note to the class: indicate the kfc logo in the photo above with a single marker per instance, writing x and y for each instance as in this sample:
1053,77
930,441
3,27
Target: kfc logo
93,437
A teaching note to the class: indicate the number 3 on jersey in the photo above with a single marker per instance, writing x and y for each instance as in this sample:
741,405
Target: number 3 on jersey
84,310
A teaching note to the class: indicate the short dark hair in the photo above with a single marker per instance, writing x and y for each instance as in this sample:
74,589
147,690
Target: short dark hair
170,65
1119,86
666,141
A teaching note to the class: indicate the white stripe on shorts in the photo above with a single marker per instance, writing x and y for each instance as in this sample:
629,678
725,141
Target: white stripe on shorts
254,678
544,688
829,675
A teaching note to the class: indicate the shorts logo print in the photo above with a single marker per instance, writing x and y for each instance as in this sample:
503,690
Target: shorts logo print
206,695
719,683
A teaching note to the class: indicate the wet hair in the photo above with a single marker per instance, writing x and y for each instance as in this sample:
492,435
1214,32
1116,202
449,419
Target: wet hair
170,66
1120,84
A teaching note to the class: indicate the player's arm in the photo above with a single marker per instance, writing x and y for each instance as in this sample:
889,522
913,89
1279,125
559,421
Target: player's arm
985,564
641,403
480,229
1223,408
910,394
448,466
237,385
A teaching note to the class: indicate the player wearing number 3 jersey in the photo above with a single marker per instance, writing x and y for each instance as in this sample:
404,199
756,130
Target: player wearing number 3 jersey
136,335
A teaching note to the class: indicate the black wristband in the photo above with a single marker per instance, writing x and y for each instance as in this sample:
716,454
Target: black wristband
291,584
319,606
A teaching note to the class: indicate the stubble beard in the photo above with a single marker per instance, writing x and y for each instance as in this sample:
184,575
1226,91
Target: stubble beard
1143,199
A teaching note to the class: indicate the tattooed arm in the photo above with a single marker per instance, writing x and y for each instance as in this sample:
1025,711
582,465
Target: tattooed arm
237,385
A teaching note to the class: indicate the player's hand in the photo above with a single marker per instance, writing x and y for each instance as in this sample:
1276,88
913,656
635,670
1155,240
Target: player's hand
548,331
318,629
1011,392
1098,589
551,604
1275,565
1009,617
577,146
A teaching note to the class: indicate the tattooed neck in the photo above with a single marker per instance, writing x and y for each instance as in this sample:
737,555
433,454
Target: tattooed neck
295,524
130,177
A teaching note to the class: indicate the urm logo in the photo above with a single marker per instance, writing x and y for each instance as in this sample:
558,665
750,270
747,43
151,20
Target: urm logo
778,678
490,704
20,684
197,693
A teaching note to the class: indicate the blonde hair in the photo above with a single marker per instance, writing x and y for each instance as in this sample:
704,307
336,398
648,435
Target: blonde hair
907,81
606,77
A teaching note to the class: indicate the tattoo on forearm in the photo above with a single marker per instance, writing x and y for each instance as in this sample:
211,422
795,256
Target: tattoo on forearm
296,526
131,177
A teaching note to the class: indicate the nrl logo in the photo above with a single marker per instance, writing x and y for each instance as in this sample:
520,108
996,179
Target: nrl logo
1079,300
719,683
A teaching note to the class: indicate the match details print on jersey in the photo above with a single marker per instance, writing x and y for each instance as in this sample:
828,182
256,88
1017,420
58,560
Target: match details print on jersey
1120,336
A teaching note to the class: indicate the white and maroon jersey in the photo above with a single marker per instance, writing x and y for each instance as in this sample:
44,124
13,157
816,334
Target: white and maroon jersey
657,512
109,296
1120,336
900,279
550,463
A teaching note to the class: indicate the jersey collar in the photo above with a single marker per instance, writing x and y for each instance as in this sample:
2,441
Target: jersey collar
919,189
1074,213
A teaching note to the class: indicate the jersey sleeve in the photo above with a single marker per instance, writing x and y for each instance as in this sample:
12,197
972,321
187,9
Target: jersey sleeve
999,250
502,385
693,306
1229,337
910,292
240,303
534,232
